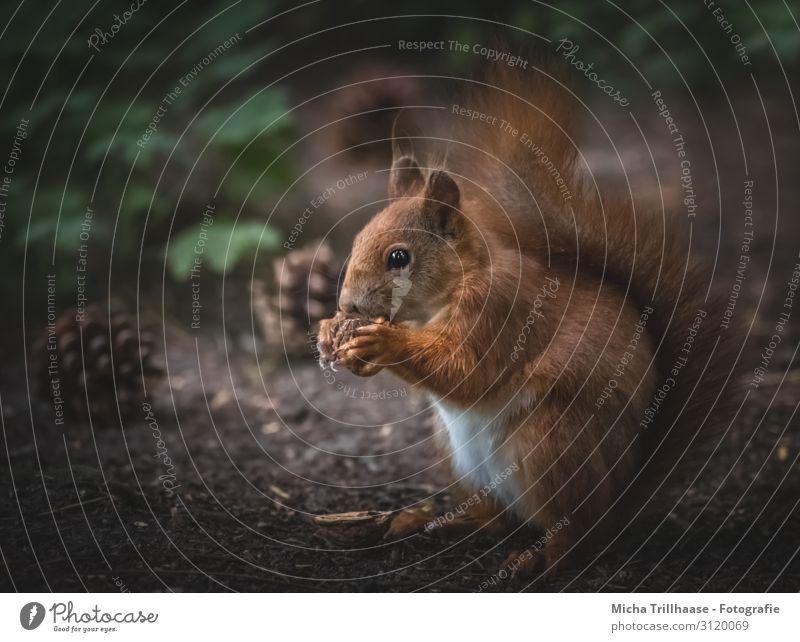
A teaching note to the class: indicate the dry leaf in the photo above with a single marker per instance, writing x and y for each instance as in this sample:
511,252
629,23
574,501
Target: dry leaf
355,528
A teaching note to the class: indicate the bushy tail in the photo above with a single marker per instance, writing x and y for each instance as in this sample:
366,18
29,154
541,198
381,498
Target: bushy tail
511,134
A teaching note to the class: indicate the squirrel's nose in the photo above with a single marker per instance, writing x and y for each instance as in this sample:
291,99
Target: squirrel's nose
347,303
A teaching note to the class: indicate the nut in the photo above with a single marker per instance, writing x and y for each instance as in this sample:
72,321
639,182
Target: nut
336,332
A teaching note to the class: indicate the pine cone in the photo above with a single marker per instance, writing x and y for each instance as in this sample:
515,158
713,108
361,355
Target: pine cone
99,359
303,294
382,96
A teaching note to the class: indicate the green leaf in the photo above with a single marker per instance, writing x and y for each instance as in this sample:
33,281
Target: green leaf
221,249
236,125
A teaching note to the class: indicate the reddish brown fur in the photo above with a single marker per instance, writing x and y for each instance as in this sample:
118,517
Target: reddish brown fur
478,265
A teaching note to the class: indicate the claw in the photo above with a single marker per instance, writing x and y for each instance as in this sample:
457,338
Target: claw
368,329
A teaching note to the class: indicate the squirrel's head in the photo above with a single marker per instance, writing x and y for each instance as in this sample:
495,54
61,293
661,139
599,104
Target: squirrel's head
407,260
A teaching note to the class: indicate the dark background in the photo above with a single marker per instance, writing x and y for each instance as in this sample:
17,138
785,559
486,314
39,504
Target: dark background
258,439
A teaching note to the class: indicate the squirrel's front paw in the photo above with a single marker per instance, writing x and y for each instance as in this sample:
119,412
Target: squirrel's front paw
374,347
325,340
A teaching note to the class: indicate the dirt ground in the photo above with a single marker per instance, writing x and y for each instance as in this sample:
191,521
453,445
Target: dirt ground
252,465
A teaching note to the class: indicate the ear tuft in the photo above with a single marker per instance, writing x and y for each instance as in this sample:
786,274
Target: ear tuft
443,198
442,188
405,178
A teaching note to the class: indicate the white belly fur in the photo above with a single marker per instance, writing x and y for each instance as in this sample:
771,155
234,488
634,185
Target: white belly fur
475,441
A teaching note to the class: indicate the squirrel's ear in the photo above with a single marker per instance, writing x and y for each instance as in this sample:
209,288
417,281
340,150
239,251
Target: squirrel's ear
443,198
405,178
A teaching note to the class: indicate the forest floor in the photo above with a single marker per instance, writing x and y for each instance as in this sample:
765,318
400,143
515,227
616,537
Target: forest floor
85,509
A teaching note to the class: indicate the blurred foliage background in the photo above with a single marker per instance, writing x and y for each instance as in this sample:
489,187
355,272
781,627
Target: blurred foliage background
229,137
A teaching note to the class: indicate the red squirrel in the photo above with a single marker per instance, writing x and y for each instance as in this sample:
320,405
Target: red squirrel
561,333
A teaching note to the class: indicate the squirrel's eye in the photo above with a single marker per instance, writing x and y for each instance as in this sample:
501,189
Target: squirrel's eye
398,258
